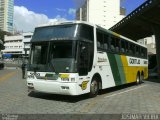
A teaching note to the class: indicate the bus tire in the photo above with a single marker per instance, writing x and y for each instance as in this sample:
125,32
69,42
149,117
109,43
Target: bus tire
138,79
142,78
94,87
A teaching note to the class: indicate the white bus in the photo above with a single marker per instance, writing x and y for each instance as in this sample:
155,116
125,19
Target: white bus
74,58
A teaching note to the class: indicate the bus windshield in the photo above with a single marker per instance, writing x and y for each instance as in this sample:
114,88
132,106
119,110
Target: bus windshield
54,32
39,54
59,50
53,56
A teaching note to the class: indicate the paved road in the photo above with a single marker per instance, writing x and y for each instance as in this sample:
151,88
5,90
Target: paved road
14,98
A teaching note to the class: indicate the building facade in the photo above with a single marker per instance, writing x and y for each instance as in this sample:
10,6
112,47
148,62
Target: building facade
150,43
26,42
18,45
104,13
6,15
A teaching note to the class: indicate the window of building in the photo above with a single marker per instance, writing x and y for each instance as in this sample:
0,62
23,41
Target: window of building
27,36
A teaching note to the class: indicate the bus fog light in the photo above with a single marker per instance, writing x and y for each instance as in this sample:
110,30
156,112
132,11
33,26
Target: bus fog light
65,79
73,79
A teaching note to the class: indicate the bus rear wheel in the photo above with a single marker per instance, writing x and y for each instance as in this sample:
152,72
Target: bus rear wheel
139,79
94,87
142,78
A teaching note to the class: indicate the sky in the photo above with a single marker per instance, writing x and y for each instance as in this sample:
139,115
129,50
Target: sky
30,13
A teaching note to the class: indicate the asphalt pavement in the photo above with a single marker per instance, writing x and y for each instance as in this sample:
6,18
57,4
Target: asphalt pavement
135,99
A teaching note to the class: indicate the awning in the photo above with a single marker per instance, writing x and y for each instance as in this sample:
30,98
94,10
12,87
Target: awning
7,55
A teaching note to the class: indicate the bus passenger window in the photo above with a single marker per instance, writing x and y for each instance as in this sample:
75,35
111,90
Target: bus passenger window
106,42
127,47
123,46
99,39
132,49
105,46
98,44
117,44
142,52
112,44
145,53
86,32
137,50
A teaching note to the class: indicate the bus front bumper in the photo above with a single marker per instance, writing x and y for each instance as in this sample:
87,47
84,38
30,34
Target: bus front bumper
63,88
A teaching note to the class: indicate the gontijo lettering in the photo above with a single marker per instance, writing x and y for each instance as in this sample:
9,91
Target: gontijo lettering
134,61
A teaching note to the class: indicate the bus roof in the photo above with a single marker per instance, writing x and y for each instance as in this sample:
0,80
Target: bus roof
65,23
93,25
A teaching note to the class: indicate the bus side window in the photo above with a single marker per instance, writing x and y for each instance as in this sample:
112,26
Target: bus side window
106,39
127,47
117,45
83,59
145,52
146,55
99,39
142,52
123,47
86,32
112,44
137,50
132,49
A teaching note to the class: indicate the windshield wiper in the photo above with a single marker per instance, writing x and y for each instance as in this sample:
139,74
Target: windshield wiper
51,65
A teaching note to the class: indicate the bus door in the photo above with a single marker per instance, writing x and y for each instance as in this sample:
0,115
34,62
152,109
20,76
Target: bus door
85,58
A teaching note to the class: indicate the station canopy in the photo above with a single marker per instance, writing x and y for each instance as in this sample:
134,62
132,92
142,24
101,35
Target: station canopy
139,23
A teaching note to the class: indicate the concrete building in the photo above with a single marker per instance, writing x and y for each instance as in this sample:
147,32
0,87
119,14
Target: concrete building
6,15
26,42
104,13
18,45
150,43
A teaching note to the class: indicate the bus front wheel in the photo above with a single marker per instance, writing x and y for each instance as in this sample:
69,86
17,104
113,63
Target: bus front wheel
94,87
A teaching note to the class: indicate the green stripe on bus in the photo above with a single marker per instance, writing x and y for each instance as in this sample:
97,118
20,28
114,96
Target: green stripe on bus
114,68
121,69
